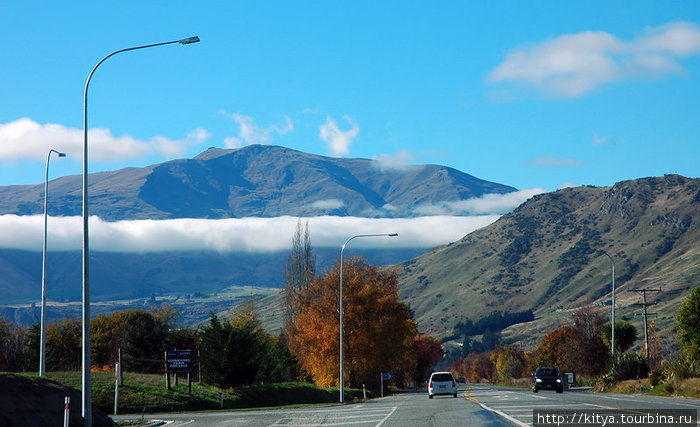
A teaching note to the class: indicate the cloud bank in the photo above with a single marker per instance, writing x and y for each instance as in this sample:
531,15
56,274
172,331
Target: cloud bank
572,65
230,235
26,139
440,224
488,204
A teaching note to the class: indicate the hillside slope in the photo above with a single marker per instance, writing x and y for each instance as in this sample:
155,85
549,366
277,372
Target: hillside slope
545,256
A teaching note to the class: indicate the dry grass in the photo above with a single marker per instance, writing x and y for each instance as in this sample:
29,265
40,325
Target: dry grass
689,387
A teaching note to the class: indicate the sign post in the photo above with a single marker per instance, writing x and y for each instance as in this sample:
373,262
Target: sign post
385,376
178,362
117,370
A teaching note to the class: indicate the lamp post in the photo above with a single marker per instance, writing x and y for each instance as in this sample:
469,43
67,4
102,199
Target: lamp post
612,328
342,397
42,334
86,398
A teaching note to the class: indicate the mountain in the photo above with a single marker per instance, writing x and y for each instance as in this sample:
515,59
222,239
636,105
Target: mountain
120,276
546,256
256,180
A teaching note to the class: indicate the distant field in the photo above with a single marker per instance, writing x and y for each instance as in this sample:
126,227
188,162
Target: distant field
193,309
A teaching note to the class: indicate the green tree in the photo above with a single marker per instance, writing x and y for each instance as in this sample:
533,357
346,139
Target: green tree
216,340
143,336
240,352
625,335
688,320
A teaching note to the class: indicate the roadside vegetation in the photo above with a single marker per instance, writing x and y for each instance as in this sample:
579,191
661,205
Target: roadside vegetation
146,393
583,347
235,357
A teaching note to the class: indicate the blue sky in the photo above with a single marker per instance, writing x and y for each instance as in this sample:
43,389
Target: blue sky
479,86
537,94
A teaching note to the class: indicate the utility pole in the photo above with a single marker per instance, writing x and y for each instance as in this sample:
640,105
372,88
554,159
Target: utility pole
644,304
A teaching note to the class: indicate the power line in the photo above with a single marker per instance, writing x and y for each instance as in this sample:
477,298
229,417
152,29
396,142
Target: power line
644,304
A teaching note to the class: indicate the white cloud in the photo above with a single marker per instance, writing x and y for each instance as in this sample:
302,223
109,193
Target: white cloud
26,139
554,162
488,204
605,139
327,204
234,234
399,161
567,185
339,142
572,65
250,133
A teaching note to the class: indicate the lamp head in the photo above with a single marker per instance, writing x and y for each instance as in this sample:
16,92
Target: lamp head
61,154
189,40
393,234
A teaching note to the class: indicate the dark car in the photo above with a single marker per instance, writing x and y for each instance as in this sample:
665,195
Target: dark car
546,378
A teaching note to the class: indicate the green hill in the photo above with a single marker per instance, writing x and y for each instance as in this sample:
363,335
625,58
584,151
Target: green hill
546,256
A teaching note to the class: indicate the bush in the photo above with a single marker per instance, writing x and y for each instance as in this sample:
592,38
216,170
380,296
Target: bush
628,366
681,369
656,377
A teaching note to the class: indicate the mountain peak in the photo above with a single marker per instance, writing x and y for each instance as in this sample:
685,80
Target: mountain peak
257,180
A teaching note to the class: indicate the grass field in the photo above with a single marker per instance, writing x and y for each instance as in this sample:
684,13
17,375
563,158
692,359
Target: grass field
146,393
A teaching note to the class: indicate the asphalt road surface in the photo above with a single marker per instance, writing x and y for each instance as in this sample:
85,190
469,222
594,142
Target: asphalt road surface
476,405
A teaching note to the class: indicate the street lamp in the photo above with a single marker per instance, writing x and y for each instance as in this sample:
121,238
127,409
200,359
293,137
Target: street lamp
612,328
42,334
342,399
86,398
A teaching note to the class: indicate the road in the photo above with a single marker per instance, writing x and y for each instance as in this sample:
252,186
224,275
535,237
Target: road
476,405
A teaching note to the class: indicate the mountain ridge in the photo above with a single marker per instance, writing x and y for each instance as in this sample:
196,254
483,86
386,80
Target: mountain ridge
256,180
546,256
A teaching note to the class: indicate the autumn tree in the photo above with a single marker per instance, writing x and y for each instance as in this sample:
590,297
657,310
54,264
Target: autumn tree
555,349
655,353
508,362
588,352
143,336
63,344
428,351
478,366
14,347
378,328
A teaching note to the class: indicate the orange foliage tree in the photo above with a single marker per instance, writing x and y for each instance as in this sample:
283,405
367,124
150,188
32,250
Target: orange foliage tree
378,329
477,367
428,351
508,362
555,349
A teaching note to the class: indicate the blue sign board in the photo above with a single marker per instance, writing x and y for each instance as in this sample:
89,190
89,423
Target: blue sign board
179,361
